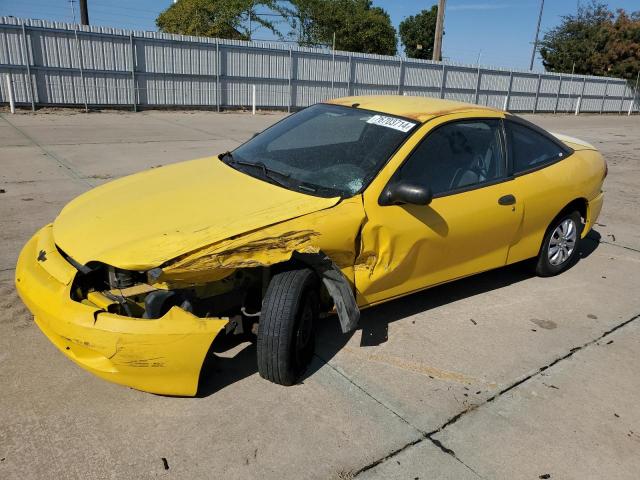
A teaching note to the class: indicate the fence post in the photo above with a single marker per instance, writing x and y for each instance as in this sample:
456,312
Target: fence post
253,99
12,104
290,79
333,71
622,97
479,76
400,77
571,89
555,109
507,99
218,63
635,94
604,96
584,83
80,66
349,79
27,62
133,73
443,84
535,104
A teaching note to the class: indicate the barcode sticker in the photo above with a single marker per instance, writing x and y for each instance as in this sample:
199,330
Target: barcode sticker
392,122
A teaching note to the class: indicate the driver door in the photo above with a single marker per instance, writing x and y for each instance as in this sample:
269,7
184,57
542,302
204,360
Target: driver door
468,226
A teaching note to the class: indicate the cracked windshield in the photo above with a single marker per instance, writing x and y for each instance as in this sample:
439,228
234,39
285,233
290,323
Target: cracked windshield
324,150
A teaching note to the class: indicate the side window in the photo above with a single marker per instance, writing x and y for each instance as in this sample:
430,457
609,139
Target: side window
457,155
530,149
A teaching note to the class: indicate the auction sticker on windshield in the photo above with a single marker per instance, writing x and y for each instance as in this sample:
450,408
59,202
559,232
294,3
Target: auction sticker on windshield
392,122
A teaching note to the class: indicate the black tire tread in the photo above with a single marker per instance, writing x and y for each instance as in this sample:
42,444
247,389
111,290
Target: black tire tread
276,327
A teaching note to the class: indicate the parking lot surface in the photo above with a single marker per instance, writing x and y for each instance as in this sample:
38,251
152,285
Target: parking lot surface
501,375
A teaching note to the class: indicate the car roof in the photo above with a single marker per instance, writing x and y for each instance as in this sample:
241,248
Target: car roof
416,108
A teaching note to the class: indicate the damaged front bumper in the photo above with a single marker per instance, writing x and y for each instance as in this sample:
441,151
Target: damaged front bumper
161,356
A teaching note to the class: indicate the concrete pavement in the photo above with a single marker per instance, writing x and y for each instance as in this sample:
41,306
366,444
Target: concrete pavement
501,375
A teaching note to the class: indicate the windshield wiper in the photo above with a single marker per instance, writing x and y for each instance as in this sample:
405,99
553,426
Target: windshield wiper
266,171
285,180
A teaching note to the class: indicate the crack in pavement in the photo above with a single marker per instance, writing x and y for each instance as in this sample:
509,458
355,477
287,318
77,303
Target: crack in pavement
430,435
423,435
387,407
592,238
620,246
68,168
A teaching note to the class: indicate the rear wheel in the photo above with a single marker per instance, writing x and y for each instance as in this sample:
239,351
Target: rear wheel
285,333
560,245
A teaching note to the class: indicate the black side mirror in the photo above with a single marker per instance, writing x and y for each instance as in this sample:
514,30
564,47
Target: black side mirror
400,193
255,135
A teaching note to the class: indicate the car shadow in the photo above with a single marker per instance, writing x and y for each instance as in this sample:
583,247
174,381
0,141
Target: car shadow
219,371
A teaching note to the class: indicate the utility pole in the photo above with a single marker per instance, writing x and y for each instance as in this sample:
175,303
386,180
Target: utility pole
437,41
535,41
84,13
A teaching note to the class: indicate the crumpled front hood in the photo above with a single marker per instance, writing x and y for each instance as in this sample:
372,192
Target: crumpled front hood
143,220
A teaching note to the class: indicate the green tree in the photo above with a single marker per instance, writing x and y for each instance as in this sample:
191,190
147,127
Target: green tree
417,33
597,40
217,18
623,48
357,24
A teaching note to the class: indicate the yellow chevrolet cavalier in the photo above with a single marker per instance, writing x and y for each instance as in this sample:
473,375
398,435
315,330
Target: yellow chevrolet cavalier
341,206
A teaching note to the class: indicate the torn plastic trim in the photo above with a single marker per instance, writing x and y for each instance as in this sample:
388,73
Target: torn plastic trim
338,287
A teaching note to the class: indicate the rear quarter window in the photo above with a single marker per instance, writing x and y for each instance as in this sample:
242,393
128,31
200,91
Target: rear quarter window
530,149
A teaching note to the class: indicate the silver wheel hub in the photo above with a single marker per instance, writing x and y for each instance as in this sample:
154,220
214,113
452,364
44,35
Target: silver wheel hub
563,242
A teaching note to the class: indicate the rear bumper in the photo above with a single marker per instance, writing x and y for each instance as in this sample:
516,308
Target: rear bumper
160,356
594,208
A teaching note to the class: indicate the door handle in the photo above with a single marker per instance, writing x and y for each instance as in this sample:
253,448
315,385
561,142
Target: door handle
507,200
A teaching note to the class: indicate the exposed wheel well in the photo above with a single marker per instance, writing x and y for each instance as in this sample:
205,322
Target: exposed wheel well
335,289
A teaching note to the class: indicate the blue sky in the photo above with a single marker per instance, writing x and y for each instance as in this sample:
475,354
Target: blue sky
500,32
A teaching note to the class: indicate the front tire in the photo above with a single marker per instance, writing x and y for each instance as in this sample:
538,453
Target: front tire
560,245
285,333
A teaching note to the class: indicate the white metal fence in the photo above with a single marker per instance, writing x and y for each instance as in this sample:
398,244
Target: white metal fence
60,64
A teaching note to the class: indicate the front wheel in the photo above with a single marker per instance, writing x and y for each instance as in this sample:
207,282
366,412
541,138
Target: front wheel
560,245
285,332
